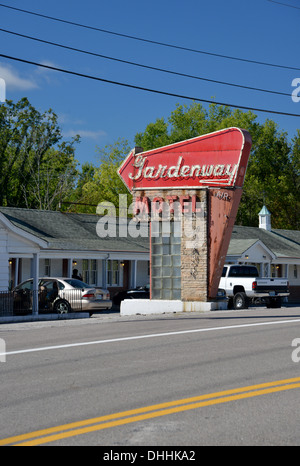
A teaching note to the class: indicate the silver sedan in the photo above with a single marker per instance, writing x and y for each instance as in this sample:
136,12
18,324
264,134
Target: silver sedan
62,295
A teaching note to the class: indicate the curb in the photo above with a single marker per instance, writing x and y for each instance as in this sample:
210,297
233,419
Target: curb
44,317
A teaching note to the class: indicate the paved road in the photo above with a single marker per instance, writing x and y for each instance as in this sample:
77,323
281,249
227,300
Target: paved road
218,378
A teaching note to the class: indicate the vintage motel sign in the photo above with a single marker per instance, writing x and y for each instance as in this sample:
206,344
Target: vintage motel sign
214,166
213,160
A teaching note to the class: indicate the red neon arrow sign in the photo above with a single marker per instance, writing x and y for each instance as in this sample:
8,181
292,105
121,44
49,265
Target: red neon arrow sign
213,160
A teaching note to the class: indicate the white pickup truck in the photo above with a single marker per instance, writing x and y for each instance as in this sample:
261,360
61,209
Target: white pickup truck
243,287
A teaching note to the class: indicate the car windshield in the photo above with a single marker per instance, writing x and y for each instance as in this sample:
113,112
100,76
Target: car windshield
28,285
77,283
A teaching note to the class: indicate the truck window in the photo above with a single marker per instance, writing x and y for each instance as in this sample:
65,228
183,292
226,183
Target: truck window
235,272
224,271
244,271
253,272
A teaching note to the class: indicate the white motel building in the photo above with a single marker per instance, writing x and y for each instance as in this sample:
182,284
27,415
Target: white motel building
48,243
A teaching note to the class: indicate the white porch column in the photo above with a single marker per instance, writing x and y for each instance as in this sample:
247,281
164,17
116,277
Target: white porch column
133,273
104,273
16,277
4,258
4,271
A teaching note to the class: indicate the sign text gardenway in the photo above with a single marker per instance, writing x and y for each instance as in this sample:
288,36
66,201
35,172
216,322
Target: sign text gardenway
213,160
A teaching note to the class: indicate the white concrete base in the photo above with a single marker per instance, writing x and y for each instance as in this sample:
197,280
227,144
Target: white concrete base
153,306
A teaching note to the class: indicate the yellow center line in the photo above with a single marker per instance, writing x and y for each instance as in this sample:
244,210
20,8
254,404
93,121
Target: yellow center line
52,434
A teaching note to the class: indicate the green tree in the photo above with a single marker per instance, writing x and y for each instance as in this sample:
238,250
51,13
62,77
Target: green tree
269,176
187,122
155,135
102,183
110,182
37,168
79,199
273,173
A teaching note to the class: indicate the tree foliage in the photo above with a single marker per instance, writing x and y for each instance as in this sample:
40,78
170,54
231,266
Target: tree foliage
37,168
273,173
102,183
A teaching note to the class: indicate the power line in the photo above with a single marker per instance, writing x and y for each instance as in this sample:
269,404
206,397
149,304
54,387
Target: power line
285,4
164,44
155,91
153,68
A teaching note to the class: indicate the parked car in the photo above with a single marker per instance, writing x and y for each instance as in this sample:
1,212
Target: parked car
141,292
243,286
61,295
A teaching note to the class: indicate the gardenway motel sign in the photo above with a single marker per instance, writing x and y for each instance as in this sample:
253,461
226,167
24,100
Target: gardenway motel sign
213,160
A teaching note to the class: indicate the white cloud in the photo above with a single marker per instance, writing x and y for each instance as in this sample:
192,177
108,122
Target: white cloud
48,74
88,134
46,63
14,80
66,119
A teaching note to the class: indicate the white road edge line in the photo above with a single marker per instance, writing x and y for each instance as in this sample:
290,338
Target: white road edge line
153,335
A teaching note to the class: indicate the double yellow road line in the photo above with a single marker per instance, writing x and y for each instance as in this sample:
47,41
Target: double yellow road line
52,434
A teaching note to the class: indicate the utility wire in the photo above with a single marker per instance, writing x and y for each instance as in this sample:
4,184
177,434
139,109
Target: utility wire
132,86
142,65
285,4
127,36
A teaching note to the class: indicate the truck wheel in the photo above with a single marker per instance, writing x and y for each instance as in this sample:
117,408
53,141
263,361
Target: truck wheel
230,303
240,301
278,303
274,303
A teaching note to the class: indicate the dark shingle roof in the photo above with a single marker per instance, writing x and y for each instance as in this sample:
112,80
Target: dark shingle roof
278,241
69,231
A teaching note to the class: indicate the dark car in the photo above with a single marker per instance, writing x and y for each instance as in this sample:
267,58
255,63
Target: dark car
141,292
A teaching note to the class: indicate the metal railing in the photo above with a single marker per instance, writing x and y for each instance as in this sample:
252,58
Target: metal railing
18,303
6,303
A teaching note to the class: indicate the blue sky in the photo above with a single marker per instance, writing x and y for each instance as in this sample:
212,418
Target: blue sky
257,30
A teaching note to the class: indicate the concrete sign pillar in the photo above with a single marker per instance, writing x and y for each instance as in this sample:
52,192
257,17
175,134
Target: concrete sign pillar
189,192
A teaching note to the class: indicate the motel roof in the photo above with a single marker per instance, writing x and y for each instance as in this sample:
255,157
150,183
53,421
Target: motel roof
72,231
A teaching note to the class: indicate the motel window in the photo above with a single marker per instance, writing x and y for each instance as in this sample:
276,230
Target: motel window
278,271
295,271
93,271
89,271
273,271
113,273
47,271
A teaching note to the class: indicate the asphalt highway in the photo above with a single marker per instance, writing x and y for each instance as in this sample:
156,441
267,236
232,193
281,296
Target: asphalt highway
171,381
